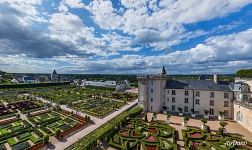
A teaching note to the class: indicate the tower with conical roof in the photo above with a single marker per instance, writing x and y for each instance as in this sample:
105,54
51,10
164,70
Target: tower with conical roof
151,91
54,76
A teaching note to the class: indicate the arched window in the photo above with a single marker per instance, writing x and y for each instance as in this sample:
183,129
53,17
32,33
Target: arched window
239,116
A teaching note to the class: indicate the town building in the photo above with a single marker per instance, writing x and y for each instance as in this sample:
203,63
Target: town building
28,79
157,93
117,85
54,76
42,78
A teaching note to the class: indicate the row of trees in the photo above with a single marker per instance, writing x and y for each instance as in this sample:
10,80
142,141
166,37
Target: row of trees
245,73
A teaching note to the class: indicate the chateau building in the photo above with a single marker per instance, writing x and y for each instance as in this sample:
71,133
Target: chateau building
157,93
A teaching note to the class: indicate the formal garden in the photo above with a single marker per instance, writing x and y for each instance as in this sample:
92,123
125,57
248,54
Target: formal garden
205,139
6,112
19,135
106,131
33,133
140,134
60,123
97,107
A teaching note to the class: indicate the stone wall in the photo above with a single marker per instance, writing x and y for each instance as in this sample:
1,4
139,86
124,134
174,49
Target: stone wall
242,114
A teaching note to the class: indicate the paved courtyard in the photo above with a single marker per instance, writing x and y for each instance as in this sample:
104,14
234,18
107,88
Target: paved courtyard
232,127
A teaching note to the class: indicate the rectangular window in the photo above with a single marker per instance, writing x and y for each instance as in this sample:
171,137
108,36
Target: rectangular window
186,109
226,104
167,91
151,90
198,93
211,111
186,93
226,113
173,99
168,99
211,102
151,99
173,92
186,100
226,95
197,101
151,108
211,94
173,107
151,82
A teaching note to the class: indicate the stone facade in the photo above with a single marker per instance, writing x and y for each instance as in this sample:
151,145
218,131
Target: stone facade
242,114
188,100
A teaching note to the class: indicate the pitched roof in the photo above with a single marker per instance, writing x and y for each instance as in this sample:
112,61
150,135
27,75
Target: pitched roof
28,78
196,85
163,72
54,72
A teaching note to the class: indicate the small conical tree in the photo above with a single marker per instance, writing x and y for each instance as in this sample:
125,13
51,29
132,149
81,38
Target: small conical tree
155,115
223,124
204,121
145,118
186,118
57,133
45,139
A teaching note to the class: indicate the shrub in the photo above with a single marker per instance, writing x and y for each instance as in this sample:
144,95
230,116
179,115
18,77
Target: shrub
223,124
46,139
207,129
57,132
220,131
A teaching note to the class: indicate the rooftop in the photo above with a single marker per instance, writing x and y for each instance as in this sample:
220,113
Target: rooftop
196,85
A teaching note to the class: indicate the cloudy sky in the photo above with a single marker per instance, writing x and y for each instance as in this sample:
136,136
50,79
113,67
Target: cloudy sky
125,36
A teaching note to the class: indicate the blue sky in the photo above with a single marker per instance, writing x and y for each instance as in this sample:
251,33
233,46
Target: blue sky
125,36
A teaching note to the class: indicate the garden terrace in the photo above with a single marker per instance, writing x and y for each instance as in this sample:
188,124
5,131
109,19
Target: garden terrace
6,112
138,134
97,107
19,135
106,130
199,140
70,94
50,121
25,106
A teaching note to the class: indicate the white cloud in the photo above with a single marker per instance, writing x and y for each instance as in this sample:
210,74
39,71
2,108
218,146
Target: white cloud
74,3
28,9
166,17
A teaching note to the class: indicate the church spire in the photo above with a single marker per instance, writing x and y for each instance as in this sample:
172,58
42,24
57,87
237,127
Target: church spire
163,72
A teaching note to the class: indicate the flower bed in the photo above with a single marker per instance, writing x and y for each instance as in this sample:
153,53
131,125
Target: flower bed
148,135
198,139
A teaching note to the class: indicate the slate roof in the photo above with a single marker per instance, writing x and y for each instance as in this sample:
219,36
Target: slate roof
29,78
54,72
209,85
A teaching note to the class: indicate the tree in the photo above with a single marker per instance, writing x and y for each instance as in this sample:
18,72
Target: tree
155,115
245,73
18,115
192,110
180,109
57,133
45,139
186,118
206,112
204,121
221,113
223,124
145,118
168,116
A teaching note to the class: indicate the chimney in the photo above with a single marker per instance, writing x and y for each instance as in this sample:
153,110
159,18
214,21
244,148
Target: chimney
215,78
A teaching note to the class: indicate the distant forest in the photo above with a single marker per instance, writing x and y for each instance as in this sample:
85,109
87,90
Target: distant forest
244,73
